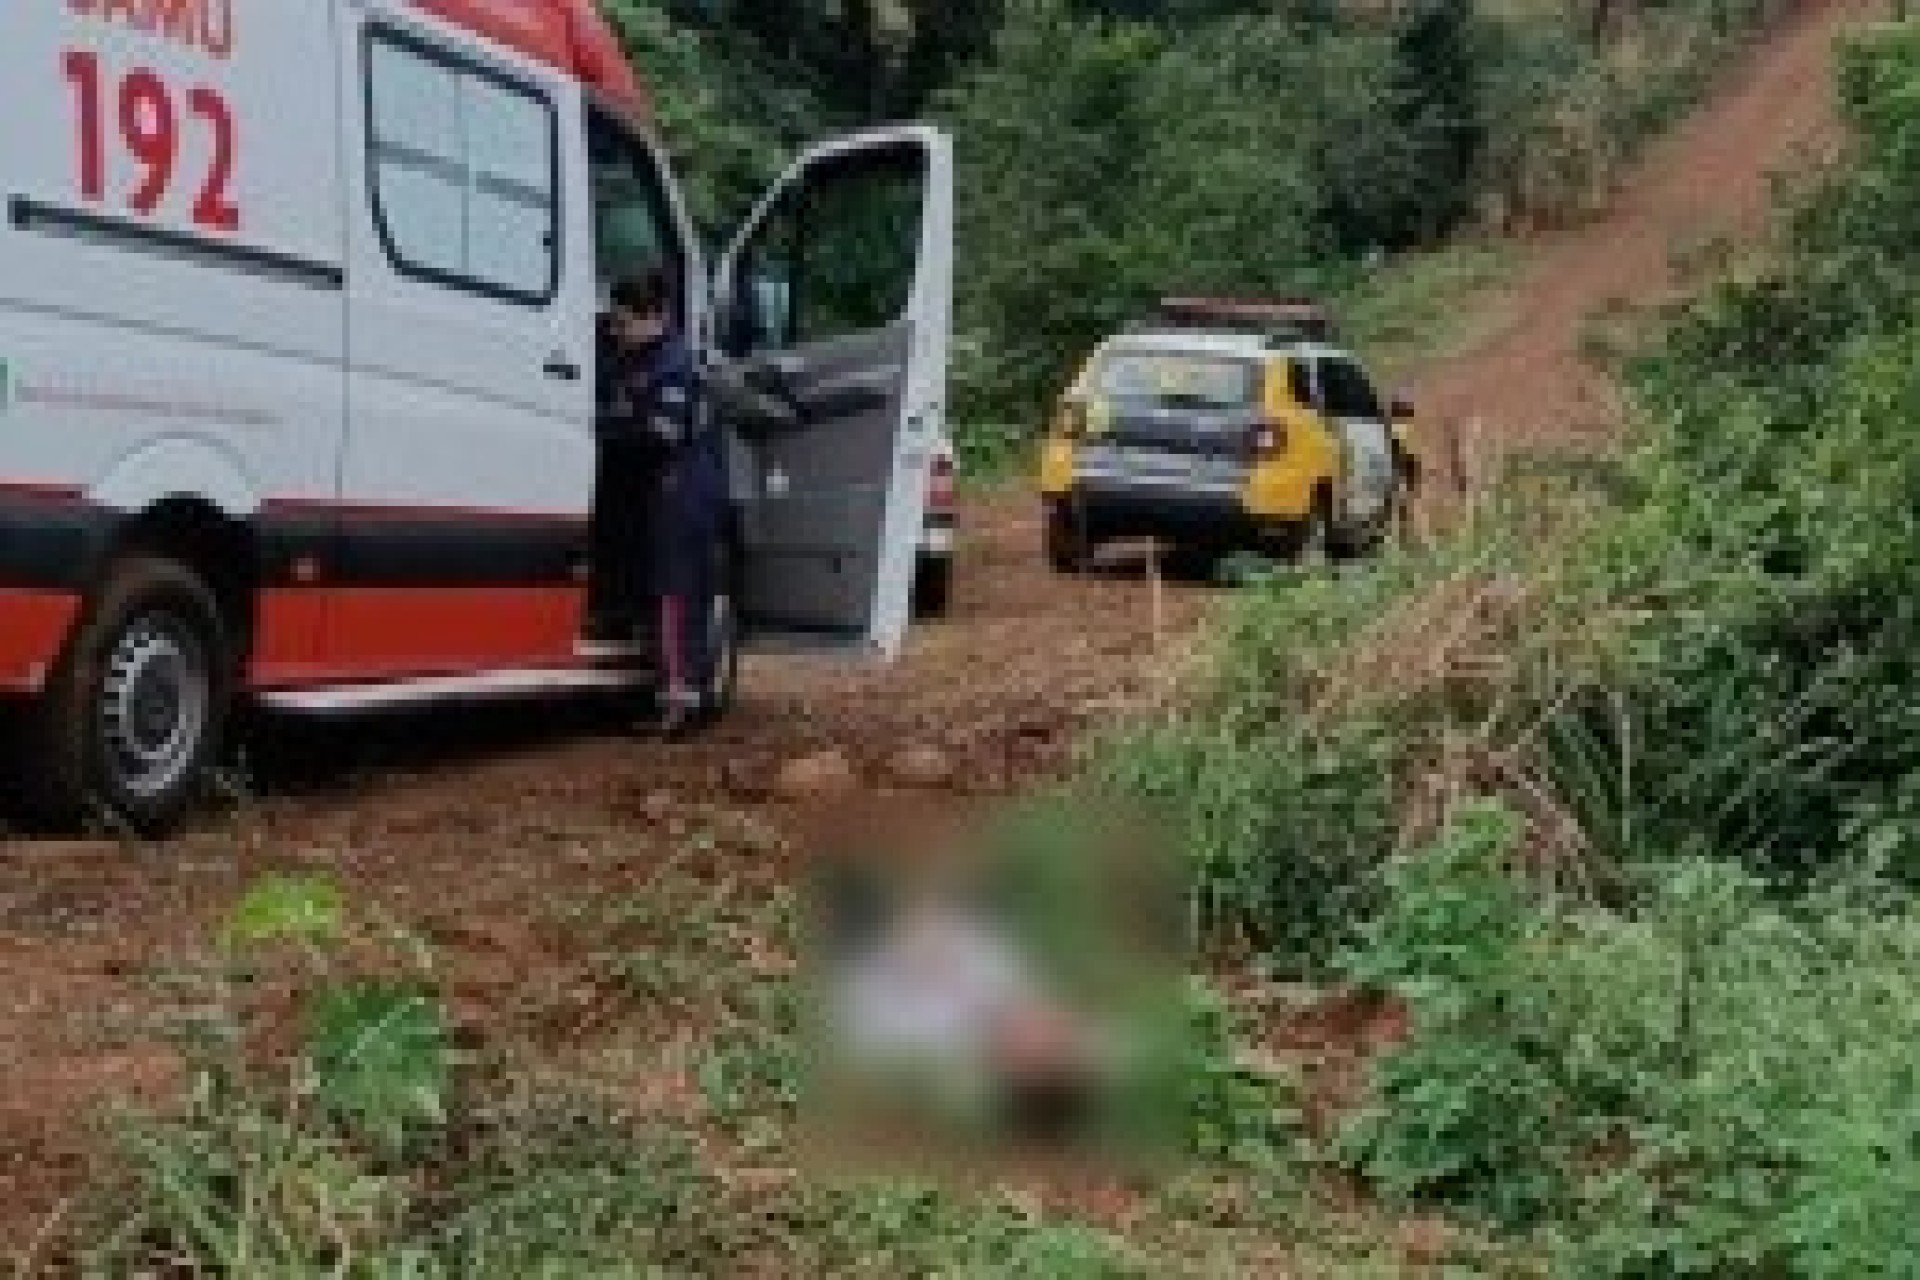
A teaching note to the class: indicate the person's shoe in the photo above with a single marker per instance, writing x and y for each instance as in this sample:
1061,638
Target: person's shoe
679,714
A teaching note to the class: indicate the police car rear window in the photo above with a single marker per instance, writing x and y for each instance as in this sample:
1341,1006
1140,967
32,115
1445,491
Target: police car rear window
1178,378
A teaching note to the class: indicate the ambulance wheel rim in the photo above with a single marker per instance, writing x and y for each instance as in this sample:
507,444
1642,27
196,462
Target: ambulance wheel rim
156,703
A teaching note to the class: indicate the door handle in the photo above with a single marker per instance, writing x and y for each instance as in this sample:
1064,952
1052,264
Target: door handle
563,369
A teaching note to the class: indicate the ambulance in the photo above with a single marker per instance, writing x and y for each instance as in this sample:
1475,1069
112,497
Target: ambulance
299,315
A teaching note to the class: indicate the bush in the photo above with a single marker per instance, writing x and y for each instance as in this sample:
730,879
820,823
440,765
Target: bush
1283,810
1713,1084
353,1149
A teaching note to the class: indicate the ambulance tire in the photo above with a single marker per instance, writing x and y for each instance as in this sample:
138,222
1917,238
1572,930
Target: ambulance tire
132,719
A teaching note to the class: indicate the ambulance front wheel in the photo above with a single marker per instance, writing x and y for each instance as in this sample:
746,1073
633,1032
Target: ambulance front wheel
131,721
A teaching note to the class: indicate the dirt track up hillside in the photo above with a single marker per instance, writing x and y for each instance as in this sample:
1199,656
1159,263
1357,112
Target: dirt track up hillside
1711,178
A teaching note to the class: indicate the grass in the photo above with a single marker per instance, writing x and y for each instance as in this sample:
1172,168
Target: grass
636,1117
1428,306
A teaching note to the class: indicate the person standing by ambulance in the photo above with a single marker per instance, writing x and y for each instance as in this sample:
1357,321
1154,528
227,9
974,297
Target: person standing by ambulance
652,398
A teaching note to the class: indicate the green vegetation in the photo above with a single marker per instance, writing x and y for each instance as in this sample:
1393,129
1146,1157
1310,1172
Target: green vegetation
1715,1082
1112,152
1427,306
1617,794
330,1125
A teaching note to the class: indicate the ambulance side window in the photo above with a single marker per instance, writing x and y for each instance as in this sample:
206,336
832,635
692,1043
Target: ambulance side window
463,165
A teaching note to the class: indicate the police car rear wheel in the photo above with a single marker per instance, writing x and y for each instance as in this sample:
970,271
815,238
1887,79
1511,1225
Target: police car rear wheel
1313,537
933,588
1197,563
1068,548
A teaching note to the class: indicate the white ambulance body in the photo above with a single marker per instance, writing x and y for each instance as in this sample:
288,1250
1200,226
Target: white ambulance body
297,355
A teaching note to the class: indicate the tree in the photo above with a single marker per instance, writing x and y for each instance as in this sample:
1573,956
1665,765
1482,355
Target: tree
1439,56
1049,139
944,39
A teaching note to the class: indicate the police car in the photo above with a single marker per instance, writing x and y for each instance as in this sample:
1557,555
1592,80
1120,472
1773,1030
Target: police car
1223,425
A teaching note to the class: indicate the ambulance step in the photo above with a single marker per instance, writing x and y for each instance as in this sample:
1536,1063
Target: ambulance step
606,651
492,686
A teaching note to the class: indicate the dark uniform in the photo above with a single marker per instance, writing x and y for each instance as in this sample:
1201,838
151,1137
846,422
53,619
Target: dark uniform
664,485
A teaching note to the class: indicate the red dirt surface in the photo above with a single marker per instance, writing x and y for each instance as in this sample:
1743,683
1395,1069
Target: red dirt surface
1713,176
477,830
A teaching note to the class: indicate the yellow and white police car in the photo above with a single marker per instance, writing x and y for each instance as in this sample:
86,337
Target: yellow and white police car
1223,426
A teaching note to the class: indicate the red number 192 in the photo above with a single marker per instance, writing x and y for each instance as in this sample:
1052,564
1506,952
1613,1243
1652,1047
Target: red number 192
149,124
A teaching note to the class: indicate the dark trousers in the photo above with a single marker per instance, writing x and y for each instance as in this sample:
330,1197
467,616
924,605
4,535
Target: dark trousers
683,579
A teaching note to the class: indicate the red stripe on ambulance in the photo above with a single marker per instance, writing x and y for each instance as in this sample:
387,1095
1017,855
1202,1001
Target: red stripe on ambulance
335,635
33,630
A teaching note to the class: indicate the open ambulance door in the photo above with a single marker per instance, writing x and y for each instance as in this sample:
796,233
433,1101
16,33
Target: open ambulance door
830,332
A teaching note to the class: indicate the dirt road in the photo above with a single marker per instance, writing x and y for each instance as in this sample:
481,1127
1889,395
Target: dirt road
474,828
1712,177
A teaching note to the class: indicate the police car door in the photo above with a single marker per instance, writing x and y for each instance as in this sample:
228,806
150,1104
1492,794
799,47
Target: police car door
834,307
1352,408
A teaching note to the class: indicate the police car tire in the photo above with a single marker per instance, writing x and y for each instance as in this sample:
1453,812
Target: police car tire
76,776
1068,548
1313,538
1193,562
933,588
1364,540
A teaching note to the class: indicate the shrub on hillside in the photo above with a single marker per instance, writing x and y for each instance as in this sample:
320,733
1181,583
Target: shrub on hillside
1704,688
1711,1084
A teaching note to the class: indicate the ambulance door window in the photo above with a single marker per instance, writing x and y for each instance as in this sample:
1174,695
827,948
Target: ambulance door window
836,257
633,219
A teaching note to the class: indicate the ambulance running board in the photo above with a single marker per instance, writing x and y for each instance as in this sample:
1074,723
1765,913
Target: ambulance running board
493,686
